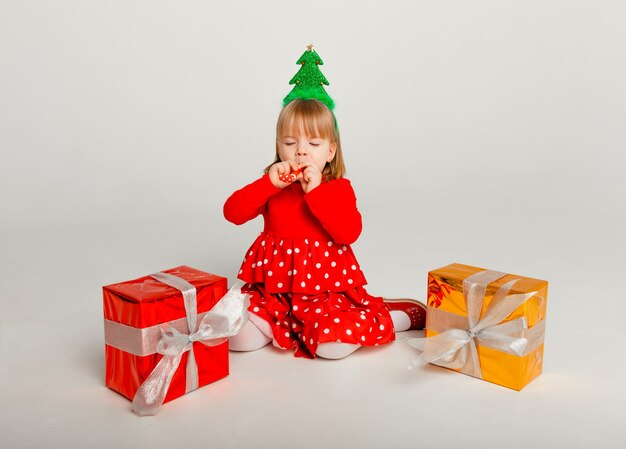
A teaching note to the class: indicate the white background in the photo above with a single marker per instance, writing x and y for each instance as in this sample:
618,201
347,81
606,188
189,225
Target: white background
489,133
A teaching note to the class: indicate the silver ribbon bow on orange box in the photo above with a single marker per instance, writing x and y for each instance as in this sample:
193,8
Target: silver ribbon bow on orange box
455,344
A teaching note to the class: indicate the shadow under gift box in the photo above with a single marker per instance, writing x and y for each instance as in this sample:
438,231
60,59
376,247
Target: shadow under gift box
142,303
445,293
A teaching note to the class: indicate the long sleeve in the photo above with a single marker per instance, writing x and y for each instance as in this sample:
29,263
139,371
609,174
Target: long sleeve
247,203
334,204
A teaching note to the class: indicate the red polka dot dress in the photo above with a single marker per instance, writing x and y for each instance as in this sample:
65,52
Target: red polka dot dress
301,273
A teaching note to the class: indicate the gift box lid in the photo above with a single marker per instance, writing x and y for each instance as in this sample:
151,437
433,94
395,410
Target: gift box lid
145,301
458,272
147,289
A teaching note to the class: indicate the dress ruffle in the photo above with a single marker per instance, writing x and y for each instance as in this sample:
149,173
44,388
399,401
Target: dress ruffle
303,322
301,265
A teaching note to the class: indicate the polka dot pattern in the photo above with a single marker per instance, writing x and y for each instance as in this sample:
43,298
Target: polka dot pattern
302,322
300,265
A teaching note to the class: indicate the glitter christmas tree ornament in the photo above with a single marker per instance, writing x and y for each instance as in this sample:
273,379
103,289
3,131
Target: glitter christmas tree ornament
309,81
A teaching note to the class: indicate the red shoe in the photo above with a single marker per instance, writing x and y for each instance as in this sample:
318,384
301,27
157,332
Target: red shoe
413,308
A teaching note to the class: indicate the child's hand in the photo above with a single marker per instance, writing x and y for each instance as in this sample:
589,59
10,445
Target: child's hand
311,177
279,169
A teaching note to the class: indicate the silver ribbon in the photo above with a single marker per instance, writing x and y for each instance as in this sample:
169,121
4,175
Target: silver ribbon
141,341
455,345
224,320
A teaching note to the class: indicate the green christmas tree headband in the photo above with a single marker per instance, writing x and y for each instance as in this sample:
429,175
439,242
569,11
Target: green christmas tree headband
309,81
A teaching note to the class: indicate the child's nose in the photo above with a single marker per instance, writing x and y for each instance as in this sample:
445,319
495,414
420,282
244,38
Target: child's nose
301,151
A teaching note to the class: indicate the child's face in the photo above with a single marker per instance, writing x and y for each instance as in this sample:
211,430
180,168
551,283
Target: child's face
300,148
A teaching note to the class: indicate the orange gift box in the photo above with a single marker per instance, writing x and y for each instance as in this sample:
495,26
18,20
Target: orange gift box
485,323
137,311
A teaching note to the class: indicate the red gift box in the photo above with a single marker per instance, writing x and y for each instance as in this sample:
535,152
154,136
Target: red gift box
136,311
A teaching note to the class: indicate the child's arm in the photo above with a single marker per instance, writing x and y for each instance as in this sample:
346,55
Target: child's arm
247,203
334,205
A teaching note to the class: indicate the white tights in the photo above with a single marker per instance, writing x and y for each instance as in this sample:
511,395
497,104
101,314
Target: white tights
257,333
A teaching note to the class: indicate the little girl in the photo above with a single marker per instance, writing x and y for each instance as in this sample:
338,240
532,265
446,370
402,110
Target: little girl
306,286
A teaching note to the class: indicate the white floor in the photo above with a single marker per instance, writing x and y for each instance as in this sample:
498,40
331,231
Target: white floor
52,368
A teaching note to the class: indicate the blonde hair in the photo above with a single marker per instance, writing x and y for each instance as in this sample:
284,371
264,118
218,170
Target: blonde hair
311,118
